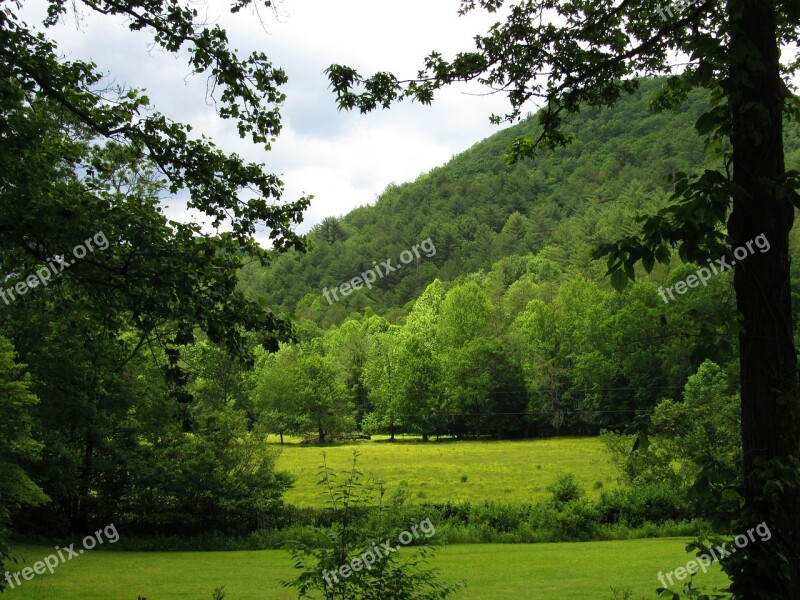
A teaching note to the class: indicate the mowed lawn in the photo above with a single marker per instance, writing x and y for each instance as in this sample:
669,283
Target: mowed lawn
579,571
506,471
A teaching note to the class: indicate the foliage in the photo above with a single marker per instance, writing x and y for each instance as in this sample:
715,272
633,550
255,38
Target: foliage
390,577
565,489
638,465
17,445
298,390
116,149
633,506
108,341
696,436
704,429
570,200
218,478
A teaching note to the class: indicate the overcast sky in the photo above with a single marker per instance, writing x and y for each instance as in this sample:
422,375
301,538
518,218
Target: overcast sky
344,159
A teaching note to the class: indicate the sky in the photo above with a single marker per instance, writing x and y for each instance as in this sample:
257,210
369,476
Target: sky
344,159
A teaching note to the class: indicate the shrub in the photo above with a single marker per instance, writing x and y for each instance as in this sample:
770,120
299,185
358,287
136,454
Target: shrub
565,489
503,518
575,521
633,506
391,577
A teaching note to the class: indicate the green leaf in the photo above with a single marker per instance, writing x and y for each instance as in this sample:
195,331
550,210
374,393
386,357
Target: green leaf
648,262
619,280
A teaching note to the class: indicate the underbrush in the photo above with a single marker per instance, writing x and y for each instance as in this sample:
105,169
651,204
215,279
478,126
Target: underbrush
647,511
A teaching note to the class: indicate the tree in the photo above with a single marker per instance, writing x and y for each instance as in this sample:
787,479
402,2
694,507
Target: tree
418,359
349,346
704,428
323,397
512,239
419,394
220,477
16,443
485,388
79,158
465,315
84,161
299,390
216,379
381,379
330,230
276,384
589,55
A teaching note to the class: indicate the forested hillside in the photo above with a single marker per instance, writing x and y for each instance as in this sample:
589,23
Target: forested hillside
517,330
476,209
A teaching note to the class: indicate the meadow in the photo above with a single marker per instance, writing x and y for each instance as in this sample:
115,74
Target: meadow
504,471
578,571
512,471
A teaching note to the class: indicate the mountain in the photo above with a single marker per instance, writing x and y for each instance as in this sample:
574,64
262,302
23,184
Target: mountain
476,210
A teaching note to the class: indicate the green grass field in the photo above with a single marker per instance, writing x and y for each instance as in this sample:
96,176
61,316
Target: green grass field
541,571
508,471
512,471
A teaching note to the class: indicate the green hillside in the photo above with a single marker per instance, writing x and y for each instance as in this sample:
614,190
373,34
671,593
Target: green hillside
510,328
477,209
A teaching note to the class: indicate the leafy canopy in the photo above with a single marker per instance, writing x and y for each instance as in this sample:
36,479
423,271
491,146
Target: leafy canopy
80,156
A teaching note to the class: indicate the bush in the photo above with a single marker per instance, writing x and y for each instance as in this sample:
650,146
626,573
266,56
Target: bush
633,506
565,522
371,424
565,489
503,518
653,510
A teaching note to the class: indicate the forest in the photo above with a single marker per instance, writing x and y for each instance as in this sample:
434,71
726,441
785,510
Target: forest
511,329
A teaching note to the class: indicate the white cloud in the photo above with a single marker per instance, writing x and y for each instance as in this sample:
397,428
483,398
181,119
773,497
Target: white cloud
343,159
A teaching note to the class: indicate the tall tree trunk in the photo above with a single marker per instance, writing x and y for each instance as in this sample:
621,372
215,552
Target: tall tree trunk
768,367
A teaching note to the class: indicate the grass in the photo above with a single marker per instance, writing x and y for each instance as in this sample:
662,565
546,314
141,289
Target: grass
511,471
506,471
545,571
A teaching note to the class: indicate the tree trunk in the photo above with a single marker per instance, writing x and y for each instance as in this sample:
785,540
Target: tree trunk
321,436
768,364
281,438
